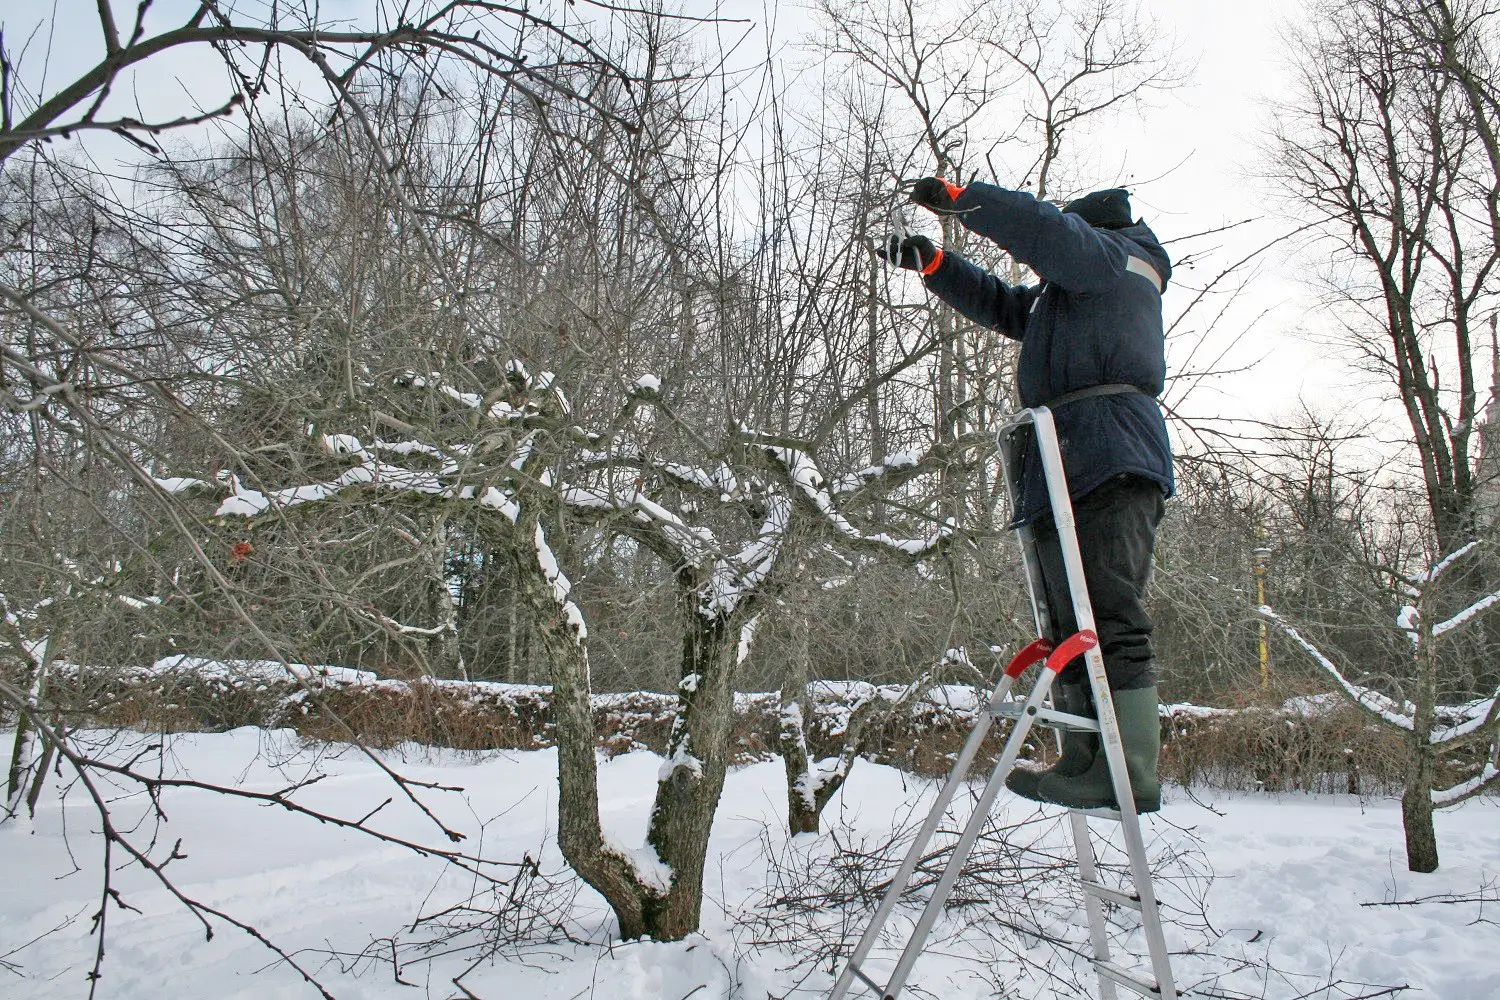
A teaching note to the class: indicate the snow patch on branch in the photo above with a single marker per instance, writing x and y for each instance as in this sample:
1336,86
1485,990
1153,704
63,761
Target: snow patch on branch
340,444
1408,620
804,473
737,576
136,604
1448,796
402,629
1373,700
682,759
747,636
408,448
650,870
807,785
691,475
501,501
179,484
470,399
561,589
523,451
725,480
899,460
1463,616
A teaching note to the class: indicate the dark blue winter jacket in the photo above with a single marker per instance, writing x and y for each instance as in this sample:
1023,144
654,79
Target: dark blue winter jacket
1094,319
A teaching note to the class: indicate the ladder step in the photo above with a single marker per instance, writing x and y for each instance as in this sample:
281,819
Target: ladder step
1124,977
1109,895
1051,718
1113,815
860,975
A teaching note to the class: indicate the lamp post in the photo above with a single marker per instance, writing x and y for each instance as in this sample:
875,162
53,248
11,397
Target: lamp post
1262,554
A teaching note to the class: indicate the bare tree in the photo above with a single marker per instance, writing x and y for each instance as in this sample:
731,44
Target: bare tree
1384,149
1435,733
1386,143
167,327
1078,64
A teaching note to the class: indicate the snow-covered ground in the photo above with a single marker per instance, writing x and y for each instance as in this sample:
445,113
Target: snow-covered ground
1292,875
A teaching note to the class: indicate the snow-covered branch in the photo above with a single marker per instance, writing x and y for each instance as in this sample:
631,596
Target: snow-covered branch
733,577
244,501
690,543
391,624
907,459
809,482
1438,568
1487,778
562,589
1463,720
1466,614
1387,710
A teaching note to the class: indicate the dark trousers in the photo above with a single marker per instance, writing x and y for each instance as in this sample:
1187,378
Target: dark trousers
1116,526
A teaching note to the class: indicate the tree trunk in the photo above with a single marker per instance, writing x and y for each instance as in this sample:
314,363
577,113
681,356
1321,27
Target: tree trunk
39,654
692,778
580,836
1416,818
873,416
513,622
1416,798
445,655
20,760
802,808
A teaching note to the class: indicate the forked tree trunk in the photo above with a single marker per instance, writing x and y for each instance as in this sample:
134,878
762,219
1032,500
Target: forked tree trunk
636,905
809,786
692,778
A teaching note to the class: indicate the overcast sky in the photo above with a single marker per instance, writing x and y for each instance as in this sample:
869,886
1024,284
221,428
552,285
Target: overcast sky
1191,162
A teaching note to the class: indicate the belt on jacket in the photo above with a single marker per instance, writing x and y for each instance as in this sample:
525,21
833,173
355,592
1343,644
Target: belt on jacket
1108,389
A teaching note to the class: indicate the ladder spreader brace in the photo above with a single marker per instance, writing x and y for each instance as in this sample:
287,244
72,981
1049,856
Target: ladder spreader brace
1027,712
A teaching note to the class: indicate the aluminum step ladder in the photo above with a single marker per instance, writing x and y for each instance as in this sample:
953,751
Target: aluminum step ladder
1026,712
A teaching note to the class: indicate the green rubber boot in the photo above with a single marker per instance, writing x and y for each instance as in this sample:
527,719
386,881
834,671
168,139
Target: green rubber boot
1078,748
1140,732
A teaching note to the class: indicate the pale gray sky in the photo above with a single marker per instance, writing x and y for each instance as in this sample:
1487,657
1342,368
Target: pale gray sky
1191,162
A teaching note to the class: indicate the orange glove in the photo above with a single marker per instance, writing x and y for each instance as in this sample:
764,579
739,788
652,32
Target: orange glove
936,194
914,253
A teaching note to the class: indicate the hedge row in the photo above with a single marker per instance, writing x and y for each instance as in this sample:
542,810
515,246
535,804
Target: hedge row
1313,745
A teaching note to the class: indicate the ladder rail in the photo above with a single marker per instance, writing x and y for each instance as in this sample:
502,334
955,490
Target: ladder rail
1029,564
1094,893
1088,872
918,847
1109,729
972,829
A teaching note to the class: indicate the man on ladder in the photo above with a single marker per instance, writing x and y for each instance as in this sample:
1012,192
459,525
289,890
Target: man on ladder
1092,351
